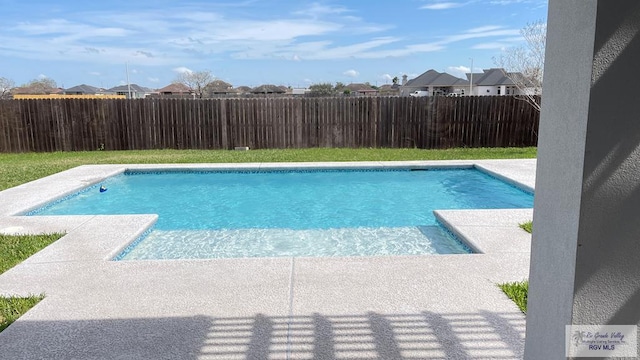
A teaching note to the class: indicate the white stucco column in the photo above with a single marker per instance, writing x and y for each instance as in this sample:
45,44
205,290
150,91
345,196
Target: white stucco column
585,260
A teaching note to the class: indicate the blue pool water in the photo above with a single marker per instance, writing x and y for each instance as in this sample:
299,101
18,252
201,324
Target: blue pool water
293,213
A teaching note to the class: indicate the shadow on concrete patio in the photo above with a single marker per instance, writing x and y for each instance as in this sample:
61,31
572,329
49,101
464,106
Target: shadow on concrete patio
160,338
423,335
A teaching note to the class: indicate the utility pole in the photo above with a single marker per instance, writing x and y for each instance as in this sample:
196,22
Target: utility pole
471,79
128,83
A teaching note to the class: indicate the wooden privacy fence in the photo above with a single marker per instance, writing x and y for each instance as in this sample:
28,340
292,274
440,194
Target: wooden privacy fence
393,122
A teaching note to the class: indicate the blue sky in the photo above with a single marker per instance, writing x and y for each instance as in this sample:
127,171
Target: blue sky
289,42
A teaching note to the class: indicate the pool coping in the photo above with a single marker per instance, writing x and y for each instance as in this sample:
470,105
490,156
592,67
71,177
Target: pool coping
484,230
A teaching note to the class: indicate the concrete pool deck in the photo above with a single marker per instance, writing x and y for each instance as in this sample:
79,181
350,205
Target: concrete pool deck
394,307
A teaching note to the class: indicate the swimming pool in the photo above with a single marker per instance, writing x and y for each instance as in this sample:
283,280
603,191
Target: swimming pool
205,214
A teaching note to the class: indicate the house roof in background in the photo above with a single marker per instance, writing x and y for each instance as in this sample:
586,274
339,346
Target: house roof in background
434,78
360,87
243,89
268,89
219,87
491,77
134,88
31,90
175,88
389,87
84,89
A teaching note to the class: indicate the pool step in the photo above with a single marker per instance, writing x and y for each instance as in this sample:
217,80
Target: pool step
243,243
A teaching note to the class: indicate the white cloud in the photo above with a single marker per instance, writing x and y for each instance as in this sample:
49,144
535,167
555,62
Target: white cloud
267,30
63,29
42,76
39,47
375,48
386,77
237,39
186,34
484,29
482,33
153,79
316,10
320,50
94,73
424,47
351,73
182,70
340,15
442,6
505,2
363,50
459,71
461,68
177,33
184,31
499,44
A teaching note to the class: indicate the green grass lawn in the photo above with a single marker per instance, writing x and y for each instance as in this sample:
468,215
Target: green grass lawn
15,249
527,226
16,169
517,291
11,308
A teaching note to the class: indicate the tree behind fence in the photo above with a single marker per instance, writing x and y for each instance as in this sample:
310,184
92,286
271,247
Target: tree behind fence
267,123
